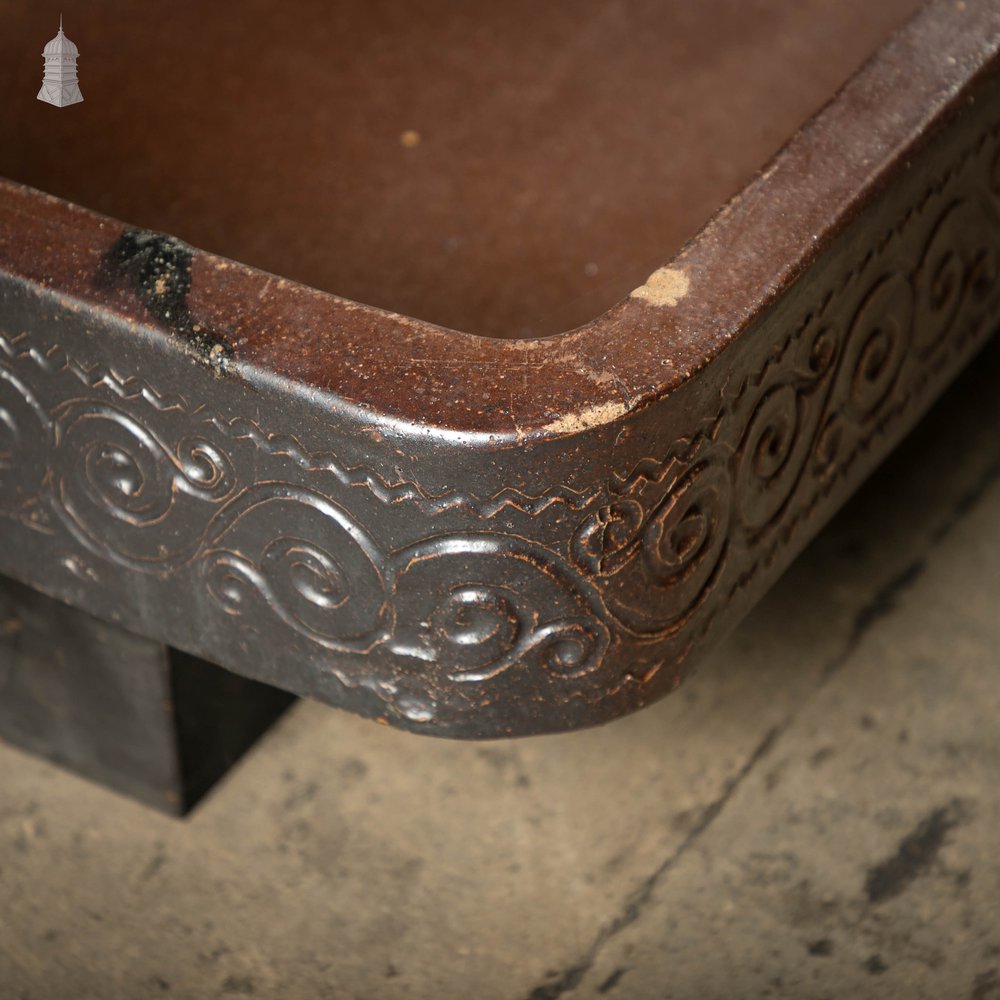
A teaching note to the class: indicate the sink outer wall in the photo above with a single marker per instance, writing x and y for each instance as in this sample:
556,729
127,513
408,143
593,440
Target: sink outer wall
475,538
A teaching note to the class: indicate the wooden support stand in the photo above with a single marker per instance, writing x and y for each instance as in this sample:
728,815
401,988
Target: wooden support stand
128,712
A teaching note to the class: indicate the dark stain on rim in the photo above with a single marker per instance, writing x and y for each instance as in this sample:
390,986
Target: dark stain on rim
157,268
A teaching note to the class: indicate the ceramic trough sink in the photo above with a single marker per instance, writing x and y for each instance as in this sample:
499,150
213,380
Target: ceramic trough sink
528,343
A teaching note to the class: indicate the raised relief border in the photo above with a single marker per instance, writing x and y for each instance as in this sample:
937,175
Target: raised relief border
464,626
682,535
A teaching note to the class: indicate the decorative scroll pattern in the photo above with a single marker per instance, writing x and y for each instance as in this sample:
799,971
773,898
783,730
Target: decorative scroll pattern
132,388
263,537
392,492
678,537
254,530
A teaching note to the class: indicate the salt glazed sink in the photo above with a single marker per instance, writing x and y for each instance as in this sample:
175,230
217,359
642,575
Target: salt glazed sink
539,408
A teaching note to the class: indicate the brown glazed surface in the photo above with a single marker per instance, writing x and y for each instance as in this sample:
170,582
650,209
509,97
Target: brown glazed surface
567,148
482,537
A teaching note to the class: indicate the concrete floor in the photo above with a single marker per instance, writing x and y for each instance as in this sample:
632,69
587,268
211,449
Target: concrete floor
816,814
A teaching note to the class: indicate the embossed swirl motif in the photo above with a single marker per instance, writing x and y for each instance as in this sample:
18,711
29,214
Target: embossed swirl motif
116,479
161,494
723,502
263,534
504,601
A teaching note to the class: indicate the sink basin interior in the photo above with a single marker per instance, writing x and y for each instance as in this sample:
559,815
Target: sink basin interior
510,169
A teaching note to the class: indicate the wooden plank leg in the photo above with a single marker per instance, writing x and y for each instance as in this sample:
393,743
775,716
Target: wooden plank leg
135,715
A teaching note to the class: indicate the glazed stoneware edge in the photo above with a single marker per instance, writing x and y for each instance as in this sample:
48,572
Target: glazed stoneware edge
481,538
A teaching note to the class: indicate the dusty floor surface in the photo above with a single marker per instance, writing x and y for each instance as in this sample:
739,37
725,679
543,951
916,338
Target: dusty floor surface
816,814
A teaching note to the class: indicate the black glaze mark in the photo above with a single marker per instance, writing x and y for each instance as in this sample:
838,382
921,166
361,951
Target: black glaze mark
917,851
157,268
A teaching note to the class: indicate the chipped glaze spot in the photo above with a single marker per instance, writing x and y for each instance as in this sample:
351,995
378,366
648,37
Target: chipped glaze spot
664,287
571,423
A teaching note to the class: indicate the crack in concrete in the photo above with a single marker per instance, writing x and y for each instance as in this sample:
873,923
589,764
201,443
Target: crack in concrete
967,502
886,598
572,977
882,603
